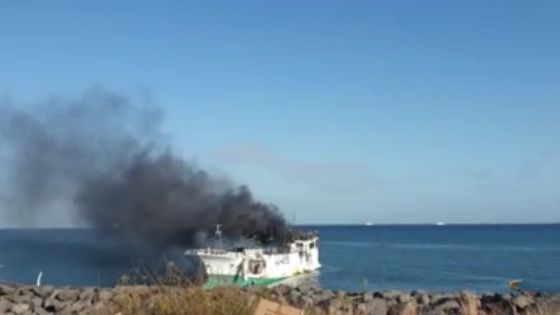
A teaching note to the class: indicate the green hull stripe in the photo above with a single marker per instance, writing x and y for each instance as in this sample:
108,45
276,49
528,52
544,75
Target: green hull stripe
217,281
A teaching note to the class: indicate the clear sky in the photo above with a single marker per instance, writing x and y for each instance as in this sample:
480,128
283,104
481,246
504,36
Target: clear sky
336,111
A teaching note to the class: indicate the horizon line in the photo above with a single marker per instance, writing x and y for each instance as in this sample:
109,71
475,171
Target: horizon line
323,224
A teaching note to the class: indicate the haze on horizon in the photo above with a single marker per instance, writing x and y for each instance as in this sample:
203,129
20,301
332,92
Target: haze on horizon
337,112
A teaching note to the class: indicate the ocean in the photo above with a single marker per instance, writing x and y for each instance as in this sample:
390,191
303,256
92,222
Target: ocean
480,258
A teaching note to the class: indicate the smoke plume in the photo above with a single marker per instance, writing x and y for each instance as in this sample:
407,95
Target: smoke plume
104,161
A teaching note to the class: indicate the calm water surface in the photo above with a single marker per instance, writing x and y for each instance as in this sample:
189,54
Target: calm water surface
442,258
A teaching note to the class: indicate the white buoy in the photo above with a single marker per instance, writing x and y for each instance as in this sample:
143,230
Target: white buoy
39,278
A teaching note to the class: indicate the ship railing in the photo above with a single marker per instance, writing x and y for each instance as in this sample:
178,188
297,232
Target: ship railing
211,251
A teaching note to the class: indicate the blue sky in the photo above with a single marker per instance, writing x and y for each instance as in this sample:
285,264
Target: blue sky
337,111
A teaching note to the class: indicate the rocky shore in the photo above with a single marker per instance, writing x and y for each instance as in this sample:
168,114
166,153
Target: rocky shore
19,299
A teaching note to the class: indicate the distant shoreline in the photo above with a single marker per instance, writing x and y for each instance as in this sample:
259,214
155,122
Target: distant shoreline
373,225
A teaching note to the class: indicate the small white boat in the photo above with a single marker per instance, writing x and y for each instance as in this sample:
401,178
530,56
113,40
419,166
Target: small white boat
259,266
440,223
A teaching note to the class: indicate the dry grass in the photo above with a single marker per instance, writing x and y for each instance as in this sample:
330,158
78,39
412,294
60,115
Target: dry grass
191,301
180,301
174,294
470,303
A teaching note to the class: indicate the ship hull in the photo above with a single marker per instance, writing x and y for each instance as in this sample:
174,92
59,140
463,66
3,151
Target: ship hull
258,266
219,281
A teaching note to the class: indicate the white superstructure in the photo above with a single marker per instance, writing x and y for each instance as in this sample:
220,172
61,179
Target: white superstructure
291,259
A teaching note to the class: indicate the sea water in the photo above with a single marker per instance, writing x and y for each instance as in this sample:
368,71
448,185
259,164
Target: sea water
481,258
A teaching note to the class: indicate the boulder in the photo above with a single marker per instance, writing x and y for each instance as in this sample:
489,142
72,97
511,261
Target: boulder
408,308
40,311
43,291
6,289
19,308
363,309
105,295
391,295
5,305
79,306
68,295
378,306
306,302
500,308
52,305
497,304
367,297
416,293
522,301
403,298
37,302
66,308
295,293
440,300
88,294
422,299
469,302
22,298
338,306
281,289
445,305
491,298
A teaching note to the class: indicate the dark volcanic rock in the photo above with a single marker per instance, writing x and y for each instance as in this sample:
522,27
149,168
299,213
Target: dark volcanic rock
24,300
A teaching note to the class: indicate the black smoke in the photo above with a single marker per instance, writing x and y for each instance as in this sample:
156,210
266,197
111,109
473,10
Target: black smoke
103,160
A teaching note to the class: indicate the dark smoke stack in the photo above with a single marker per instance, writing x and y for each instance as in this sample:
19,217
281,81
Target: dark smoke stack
105,161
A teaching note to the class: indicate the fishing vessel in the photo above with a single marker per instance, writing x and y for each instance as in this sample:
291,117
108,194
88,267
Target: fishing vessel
259,265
